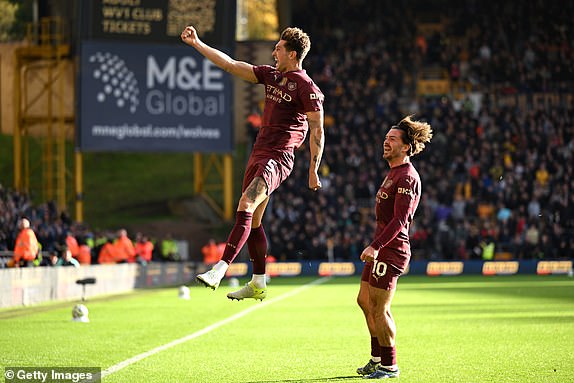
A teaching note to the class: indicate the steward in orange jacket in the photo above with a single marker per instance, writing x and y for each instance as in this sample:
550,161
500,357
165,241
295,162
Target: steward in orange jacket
124,248
144,249
211,253
72,245
84,255
107,253
26,247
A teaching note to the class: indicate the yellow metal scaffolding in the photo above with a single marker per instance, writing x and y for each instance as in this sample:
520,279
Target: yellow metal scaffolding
212,177
39,110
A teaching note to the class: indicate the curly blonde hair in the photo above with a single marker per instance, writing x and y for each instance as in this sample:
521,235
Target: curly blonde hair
415,133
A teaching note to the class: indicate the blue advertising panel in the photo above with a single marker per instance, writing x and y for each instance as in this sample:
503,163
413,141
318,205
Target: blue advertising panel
152,98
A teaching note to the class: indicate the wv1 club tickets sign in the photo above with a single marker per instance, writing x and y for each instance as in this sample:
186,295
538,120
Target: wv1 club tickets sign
141,97
158,21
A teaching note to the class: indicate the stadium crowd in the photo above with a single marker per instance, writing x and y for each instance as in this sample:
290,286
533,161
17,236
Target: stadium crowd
63,242
498,177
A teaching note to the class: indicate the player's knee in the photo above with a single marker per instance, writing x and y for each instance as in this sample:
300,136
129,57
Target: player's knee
382,315
247,204
380,318
363,303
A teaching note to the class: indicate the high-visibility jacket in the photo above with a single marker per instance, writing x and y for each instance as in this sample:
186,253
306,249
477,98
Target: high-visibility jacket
144,250
72,245
26,247
210,253
85,255
124,249
487,250
168,248
107,254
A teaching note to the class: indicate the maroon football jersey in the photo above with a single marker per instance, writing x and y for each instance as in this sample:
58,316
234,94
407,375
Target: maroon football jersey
397,201
288,96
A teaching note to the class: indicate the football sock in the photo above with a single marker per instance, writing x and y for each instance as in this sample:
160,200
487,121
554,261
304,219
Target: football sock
238,236
259,280
257,245
375,349
221,267
389,357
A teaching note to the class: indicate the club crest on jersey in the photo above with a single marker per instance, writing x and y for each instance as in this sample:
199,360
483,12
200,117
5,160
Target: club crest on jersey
292,86
387,183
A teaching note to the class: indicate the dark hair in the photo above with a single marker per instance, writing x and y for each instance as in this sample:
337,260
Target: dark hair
296,40
415,133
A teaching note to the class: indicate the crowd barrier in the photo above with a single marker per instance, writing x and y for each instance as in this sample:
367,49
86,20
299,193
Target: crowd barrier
33,285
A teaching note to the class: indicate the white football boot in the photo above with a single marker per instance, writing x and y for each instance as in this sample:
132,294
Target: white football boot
211,278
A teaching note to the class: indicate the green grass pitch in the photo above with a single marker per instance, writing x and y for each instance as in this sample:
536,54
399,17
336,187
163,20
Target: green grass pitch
450,329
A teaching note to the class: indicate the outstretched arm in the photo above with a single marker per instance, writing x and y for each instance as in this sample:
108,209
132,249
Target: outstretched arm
316,145
237,68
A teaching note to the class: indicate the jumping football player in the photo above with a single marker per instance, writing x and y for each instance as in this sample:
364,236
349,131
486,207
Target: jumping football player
293,106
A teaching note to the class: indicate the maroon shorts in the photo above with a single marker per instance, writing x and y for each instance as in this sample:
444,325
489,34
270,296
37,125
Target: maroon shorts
380,275
273,168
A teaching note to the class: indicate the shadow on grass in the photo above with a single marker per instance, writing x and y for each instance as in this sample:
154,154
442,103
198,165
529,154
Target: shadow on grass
310,380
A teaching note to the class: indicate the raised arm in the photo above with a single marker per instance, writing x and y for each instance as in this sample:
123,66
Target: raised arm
237,68
316,145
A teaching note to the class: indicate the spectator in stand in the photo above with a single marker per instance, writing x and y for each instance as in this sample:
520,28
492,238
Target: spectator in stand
211,252
84,253
72,244
67,260
51,260
3,241
144,248
169,250
124,248
107,253
27,247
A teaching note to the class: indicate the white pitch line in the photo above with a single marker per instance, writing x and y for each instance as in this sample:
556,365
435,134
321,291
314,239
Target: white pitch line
119,366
